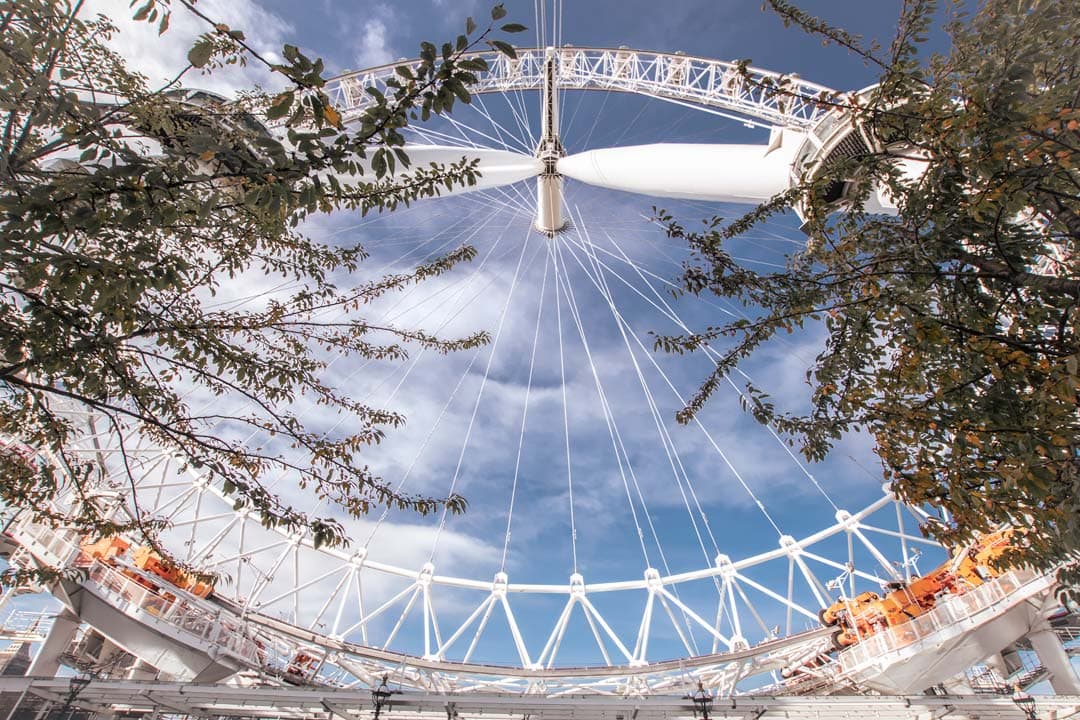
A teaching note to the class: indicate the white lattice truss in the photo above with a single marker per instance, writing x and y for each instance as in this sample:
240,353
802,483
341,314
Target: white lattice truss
733,619
289,596
711,85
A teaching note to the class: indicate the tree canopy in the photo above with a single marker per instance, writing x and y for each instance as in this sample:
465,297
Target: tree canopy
125,208
950,330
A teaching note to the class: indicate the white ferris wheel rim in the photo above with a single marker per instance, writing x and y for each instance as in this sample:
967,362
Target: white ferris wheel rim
525,73
696,82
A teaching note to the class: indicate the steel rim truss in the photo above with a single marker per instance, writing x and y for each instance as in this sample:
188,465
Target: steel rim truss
712,85
195,506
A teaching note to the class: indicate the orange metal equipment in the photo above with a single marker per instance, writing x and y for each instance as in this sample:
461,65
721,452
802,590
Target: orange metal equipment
106,549
109,549
867,613
979,563
831,615
150,561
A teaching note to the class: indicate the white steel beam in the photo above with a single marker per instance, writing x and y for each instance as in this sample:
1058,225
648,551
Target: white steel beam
125,696
713,85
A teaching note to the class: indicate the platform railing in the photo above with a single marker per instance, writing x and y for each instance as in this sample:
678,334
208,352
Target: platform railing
948,612
209,625
1068,633
26,625
57,546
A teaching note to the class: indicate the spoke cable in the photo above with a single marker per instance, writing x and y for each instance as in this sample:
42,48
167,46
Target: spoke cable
698,423
566,419
714,355
479,396
524,415
609,415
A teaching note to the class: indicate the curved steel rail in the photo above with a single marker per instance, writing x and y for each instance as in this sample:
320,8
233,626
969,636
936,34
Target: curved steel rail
203,507
712,85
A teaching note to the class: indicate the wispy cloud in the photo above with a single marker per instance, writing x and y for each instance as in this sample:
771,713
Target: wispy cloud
161,57
374,46
667,470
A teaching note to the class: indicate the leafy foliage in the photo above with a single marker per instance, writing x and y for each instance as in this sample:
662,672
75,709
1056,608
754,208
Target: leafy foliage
124,211
950,329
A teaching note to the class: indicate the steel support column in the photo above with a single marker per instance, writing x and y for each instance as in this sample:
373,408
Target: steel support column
47,661
1053,657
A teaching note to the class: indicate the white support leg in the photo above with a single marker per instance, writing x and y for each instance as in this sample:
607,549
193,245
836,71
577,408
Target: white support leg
62,632
1053,657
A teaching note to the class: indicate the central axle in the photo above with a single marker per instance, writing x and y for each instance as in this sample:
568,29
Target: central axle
549,195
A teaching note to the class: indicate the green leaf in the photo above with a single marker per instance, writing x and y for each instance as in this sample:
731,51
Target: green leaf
505,48
513,28
200,53
427,52
279,106
461,92
498,12
143,12
473,63
470,26
378,163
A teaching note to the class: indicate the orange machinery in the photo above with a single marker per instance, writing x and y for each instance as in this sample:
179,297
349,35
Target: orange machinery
868,613
108,550
979,563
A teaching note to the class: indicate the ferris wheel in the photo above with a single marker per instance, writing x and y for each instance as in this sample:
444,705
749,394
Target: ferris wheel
606,549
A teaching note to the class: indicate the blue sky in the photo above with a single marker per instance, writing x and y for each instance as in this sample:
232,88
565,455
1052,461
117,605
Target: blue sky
673,496
725,30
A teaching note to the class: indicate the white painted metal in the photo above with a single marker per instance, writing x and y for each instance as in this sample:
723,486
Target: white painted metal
1052,655
549,198
717,173
712,85
549,201
47,661
497,167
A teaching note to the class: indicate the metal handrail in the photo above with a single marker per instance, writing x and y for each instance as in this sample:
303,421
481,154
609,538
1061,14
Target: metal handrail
951,610
207,624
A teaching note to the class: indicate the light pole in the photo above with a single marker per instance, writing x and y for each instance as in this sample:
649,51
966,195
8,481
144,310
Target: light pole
380,696
702,702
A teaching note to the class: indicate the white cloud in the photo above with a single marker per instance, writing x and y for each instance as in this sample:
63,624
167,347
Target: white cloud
161,57
471,298
374,48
